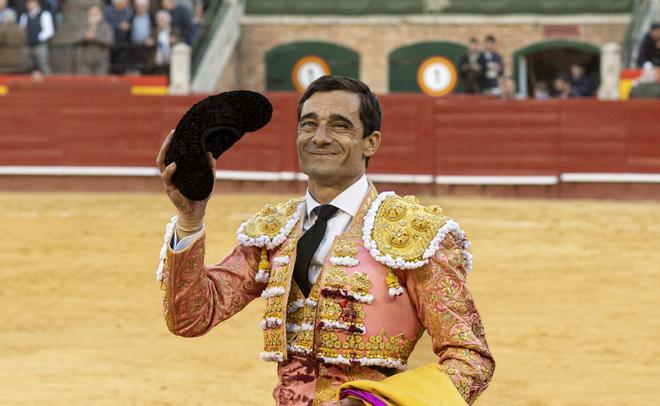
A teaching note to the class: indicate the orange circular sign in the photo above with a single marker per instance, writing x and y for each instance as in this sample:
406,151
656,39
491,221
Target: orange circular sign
436,76
308,69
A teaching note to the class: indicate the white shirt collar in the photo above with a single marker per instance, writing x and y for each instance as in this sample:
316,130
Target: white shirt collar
348,201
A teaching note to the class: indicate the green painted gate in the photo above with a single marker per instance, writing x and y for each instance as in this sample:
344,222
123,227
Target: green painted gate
281,60
405,62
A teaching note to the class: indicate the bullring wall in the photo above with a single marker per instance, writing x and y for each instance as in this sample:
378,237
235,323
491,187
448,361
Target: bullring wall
553,148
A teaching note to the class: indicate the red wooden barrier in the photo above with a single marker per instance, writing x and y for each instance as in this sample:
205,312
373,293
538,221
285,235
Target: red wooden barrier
421,135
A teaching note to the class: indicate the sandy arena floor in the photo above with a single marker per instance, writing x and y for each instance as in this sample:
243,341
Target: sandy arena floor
568,291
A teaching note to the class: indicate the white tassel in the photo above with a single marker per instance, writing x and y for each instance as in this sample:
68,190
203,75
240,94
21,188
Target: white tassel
394,292
344,261
310,302
270,322
262,276
272,292
296,349
169,232
332,324
295,327
295,306
382,362
272,356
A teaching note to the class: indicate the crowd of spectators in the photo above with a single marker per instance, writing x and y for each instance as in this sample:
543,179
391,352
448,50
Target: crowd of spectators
574,84
144,36
137,36
12,39
482,69
25,30
119,36
482,72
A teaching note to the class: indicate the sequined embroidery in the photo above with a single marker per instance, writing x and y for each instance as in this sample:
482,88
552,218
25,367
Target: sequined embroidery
382,349
342,314
338,284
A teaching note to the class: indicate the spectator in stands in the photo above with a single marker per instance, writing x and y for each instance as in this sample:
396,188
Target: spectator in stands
510,89
492,66
581,84
95,42
164,37
541,91
5,10
196,10
142,25
471,72
39,28
181,19
141,22
118,15
649,50
18,6
53,7
562,87
12,43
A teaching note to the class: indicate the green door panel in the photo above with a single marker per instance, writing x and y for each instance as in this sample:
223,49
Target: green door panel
281,60
405,62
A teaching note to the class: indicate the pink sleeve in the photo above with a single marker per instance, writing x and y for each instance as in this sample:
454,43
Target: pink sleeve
196,297
446,309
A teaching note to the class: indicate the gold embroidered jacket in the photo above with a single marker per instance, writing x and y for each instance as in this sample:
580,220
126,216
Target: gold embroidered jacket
399,269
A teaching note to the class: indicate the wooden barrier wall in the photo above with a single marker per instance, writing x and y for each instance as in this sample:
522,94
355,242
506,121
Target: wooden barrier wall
44,124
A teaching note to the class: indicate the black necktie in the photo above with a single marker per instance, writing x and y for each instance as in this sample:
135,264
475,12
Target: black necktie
308,244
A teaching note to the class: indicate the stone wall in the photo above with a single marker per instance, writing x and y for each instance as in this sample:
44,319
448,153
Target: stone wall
375,37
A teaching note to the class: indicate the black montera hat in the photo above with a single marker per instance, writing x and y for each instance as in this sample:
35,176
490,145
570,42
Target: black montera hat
212,125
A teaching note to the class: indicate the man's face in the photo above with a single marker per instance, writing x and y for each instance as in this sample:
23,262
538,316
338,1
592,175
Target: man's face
655,34
489,45
141,7
162,20
472,47
94,15
577,71
31,5
331,147
559,85
3,4
120,4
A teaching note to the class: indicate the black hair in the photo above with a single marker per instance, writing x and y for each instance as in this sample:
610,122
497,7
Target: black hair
370,113
490,38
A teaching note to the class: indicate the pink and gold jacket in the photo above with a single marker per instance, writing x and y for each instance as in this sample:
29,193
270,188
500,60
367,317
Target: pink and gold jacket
398,270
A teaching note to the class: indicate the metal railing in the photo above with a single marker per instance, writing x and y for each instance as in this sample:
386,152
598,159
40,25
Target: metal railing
213,19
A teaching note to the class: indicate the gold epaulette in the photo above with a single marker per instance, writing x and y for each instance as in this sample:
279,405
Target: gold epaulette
271,225
403,234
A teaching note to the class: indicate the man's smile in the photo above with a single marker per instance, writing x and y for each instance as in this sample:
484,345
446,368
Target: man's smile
322,152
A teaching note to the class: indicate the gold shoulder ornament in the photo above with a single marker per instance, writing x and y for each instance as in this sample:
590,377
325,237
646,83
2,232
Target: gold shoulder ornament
271,225
403,234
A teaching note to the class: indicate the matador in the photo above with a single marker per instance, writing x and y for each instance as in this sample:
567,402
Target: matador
351,278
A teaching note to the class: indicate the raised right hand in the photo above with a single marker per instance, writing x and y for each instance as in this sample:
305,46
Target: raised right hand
191,212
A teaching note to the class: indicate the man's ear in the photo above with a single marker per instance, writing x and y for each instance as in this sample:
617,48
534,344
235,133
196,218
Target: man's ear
371,144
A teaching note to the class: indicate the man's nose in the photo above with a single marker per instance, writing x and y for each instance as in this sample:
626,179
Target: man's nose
321,136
